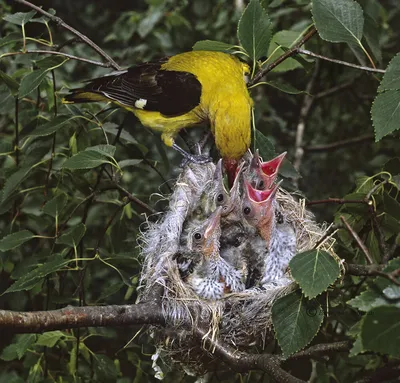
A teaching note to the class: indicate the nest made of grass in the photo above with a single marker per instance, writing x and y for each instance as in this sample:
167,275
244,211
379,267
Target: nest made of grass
242,320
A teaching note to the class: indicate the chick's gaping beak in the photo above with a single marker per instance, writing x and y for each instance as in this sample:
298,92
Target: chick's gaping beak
271,168
212,234
261,195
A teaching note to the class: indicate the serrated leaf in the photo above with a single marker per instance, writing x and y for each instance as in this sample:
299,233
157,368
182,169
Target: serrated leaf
14,181
9,82
385,113
254,30
72,236
23,343
88,159
284,87
314,271
357,347
284,39
51,126
296,321
106,150
14,240
391,78
10,38
338,21
369,299
55,205
9,353
29,280
31,81
380,330
19,18
212,45
49,339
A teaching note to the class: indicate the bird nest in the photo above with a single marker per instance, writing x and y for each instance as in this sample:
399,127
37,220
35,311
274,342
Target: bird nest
241,318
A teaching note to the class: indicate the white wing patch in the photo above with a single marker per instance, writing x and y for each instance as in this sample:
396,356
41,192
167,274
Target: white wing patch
141,103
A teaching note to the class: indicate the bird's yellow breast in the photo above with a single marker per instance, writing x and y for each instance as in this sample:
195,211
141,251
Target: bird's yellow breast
225,101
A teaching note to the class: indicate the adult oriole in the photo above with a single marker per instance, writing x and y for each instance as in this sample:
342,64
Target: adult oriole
182,91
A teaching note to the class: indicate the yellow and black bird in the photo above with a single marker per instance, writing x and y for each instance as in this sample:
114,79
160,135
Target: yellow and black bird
182,91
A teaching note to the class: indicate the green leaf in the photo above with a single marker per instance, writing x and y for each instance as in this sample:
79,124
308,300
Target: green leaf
10,83
9,353
338,21
106,150
148,23
23,343
52,126
19,18
104,368
380,330
284,87
284,39
55,205
50,62
31,81
126,163
296,321
88,159
72,236
314,271
10,38
14,181
391,78
14,240
254,30
372,35
29,280
49,339
370,299
212,45
264,145
385,113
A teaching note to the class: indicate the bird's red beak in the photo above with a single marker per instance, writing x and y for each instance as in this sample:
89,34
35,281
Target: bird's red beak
230,167
261,195
271,168
214,223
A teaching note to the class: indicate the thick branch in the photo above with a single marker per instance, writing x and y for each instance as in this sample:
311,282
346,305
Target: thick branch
61,22
318,350
74,317
373,271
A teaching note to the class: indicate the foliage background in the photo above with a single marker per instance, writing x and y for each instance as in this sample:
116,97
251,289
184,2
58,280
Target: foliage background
133,32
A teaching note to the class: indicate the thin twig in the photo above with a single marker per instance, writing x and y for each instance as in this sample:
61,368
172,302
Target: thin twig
333,90
84,38
16,143
72,57
340,201
339,144
372,271
301,125
358,240
135,200
364,68
292,51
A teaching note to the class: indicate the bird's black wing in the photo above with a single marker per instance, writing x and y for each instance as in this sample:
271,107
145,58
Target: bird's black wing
148,87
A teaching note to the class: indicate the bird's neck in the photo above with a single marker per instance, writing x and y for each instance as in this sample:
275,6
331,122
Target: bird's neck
267,225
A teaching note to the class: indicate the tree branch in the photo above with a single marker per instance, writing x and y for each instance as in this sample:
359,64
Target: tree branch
61,22
373,271
339,144
364,68
358,240
321,349
282,58
74,317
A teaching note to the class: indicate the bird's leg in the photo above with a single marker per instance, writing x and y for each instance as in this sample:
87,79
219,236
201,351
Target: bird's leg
188,157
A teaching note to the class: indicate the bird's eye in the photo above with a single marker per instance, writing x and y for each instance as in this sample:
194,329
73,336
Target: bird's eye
260,185
246,210
197,236
220,197
237,242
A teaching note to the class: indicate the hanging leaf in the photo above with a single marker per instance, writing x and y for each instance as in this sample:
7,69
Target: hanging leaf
72,236
10,83
296,321
284,87
254,30
49,339
338,21
14,240
391,78
55,205
314,271
52,126
380,327
20,18
88,159
14,181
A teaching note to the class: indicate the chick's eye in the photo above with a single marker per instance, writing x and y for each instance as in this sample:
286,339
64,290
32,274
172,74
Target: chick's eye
220,197
197,236
260,185
246,210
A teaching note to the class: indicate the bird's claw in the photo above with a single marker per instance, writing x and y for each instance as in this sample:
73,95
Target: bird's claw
196,159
